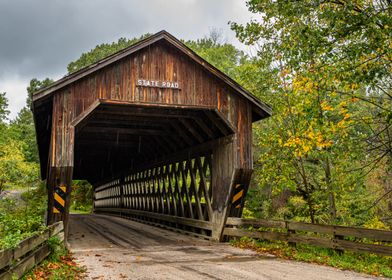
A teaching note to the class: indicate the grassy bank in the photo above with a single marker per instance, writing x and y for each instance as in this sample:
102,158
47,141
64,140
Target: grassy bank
366,263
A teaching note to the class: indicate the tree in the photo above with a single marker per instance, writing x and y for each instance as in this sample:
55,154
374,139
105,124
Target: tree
14,170
212,47
102,51
82,196
347,40
34,86
22,129
3,107
328,66
3,127
222,55
3,116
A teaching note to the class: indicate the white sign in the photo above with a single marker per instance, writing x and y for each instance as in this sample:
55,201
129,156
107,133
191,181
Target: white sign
157,84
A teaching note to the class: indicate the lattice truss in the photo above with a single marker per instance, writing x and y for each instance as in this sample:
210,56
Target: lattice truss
181,188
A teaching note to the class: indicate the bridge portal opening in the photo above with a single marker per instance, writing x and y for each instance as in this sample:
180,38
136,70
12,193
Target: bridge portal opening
158,160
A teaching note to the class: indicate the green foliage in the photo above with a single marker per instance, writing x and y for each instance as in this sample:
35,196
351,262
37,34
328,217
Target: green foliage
20,215
3,107
22,129
57,248
102,51
14,169
34,86
17,167
20,219
222,55
325,69
81,197
360,262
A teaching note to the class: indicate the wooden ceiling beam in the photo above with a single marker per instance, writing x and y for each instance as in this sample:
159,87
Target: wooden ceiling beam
205,128
180,131
129,131
213,118
190,127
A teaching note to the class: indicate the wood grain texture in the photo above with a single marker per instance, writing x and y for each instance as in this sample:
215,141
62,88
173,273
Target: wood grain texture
29,252
101,123
327,236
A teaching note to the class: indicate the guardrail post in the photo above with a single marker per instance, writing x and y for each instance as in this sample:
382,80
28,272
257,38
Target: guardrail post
335,238
290,232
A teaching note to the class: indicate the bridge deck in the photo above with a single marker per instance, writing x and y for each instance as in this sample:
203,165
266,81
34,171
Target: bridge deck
115,248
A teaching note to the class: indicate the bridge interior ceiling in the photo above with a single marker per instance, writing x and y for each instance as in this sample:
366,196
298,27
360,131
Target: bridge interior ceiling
118,138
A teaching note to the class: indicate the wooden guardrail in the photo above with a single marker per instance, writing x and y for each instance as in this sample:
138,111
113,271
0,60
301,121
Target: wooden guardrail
29,252
327,236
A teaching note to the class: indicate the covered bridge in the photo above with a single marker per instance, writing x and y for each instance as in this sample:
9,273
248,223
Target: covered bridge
163,136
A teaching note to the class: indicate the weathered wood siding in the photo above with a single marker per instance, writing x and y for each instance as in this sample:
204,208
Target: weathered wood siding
160,62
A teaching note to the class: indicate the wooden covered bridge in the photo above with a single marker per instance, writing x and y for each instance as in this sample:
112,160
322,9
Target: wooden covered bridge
163,136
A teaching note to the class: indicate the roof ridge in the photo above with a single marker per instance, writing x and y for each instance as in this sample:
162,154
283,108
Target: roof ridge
163,34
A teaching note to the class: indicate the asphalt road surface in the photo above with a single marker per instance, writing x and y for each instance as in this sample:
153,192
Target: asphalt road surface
116,248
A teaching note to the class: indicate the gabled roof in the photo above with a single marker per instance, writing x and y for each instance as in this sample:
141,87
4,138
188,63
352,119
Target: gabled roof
260,108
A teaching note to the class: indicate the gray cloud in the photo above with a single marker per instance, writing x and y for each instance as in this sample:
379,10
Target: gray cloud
40,37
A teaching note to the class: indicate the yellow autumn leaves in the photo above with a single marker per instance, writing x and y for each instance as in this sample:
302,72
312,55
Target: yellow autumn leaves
309,141
322,118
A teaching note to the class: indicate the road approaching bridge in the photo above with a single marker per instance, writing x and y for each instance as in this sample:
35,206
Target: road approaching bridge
115,248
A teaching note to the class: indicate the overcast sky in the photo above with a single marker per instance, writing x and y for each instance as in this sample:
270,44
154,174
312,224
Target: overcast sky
38,38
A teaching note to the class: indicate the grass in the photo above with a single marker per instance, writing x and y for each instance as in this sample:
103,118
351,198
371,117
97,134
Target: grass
360,262
78,211
77,208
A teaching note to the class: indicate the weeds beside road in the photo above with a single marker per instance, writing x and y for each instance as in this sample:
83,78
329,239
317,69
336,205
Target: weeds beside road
360,262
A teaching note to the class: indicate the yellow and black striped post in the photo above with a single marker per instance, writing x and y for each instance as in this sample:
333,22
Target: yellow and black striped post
59,199
238,194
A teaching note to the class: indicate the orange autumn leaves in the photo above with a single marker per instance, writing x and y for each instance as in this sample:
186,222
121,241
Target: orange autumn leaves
65,268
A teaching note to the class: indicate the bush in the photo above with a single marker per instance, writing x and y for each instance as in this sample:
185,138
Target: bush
21,219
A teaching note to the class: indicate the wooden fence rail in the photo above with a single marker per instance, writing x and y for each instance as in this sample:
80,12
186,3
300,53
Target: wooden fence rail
327,236
29,252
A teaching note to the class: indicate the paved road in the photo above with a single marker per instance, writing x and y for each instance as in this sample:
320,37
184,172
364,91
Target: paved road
115,248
